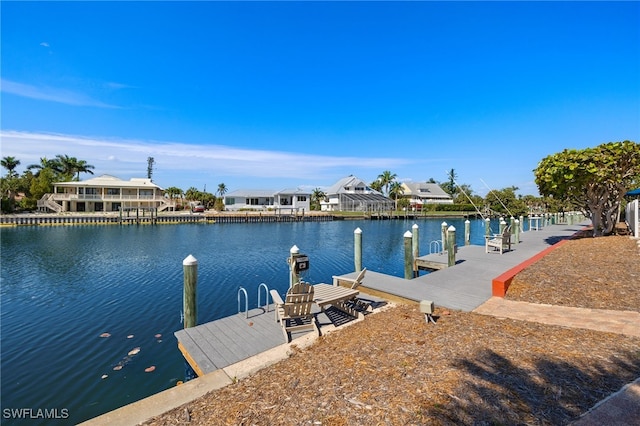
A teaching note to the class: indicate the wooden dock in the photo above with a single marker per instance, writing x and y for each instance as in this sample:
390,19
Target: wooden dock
468,283
221,343
464,286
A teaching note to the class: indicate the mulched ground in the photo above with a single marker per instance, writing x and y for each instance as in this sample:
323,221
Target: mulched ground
394,368
597,273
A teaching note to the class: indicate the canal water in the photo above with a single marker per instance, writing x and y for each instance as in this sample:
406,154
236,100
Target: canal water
63,287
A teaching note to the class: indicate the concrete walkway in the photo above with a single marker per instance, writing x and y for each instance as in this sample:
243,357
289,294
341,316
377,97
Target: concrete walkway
621,322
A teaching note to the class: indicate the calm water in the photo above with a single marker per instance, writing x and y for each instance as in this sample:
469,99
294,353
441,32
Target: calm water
63,286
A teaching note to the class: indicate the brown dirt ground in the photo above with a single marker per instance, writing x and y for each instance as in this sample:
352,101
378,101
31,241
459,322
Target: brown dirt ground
395,369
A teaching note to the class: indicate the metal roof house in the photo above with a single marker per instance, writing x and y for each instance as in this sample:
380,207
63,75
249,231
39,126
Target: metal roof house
420,193
260,199
104,194
352,194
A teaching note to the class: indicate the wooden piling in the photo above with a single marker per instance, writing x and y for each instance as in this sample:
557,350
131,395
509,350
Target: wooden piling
467,232
190,305
415,244
357,249
408,257
451,246
443,235
487,227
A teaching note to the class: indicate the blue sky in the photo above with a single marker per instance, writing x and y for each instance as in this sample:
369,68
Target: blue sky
274,95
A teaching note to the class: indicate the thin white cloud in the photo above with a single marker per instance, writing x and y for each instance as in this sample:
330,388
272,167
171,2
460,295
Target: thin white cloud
44,44
128,158
50,94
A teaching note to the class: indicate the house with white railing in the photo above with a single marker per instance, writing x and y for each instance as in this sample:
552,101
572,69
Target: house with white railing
105,194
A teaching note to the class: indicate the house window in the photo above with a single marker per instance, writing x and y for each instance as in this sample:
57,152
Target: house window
113,191
302,198
253,201
91,191
229,201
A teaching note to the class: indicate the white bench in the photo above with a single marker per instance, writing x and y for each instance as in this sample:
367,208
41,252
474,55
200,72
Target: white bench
498,241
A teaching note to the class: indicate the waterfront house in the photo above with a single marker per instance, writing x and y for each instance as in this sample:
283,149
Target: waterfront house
259,199
352,194
104,194
421,193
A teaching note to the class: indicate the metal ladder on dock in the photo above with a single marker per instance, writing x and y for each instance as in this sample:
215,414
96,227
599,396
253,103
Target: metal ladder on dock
243,291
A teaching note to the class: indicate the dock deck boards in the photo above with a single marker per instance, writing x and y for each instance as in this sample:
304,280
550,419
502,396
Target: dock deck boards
218,344
465,286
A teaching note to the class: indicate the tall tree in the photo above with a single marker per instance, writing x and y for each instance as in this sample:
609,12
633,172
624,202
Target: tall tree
222,189
376,185
70,167
317,197
67,165
450,185
593,180
385,179
10,163
192,194
150,162
81,166
45,163
10,184
396,191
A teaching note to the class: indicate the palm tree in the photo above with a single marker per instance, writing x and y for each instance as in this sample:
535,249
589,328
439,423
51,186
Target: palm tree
71,166
11,183
376,185
222,189
10,163
45,163
83,167
67,165
317,196
192,194
173,192
385,180
396,190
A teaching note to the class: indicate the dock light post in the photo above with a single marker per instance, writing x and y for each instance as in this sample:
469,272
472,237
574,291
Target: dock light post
408,257
357,249
294,277
190,305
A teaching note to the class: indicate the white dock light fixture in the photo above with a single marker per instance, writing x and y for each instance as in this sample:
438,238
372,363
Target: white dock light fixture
426,307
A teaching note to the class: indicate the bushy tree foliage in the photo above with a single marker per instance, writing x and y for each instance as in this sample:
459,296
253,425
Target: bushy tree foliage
506,202
593,180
